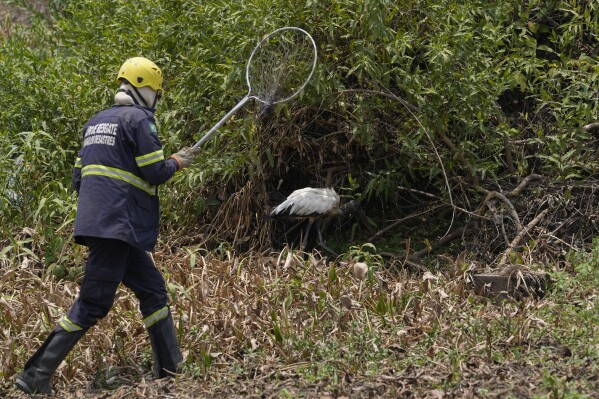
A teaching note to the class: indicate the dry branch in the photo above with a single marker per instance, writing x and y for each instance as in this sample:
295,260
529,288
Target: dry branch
453,206
379,233
507,150
465,163
392,96
448,238
524,183
497,195
518,239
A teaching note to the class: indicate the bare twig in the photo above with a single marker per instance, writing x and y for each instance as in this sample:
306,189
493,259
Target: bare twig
518,239
400,221
444,240
403,102
457,208
573,247
498,220
461,157
420,192
503,198
507,149
404,262
524,183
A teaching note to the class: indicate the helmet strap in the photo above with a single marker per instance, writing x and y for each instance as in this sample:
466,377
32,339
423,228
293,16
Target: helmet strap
136,96
141,98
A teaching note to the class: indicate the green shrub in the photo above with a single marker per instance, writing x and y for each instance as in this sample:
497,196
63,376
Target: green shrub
477,75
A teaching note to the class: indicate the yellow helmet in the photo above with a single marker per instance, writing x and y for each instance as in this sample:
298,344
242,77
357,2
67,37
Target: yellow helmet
141,72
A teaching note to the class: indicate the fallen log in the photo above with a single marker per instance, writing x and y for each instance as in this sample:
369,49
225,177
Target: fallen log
517,283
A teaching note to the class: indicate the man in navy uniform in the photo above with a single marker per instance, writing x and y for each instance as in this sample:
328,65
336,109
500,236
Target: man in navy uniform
116,174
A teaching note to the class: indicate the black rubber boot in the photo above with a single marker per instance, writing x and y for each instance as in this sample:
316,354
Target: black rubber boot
165,348
41,366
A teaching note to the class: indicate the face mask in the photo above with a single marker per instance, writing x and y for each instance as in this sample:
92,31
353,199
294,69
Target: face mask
129,95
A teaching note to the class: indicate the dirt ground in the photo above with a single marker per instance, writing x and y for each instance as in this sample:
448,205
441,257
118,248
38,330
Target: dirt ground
480,379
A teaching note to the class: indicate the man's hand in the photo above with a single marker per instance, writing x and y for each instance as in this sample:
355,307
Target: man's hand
185,156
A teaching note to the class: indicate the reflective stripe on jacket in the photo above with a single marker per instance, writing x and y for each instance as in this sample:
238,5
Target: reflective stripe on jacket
116,174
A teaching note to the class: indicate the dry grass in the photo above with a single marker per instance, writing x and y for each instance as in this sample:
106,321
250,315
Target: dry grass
280,326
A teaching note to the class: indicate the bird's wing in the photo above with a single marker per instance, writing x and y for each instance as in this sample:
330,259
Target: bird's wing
308,202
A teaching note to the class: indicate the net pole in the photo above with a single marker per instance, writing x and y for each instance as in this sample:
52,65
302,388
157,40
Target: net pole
222,121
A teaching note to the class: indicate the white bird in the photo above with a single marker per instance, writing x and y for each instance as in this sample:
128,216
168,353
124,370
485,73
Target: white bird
316,205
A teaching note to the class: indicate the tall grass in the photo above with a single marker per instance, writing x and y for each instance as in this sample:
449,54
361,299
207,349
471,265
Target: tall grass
263,319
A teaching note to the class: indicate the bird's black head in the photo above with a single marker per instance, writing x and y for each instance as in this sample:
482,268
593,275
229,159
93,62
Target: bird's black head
357,211
350,206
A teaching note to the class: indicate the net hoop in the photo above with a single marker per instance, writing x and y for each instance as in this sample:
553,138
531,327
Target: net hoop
266,38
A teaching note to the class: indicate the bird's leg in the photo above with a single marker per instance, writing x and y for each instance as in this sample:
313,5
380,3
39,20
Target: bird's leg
321,241
306,234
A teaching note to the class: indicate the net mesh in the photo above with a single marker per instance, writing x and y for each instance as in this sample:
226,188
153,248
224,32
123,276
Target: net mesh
281,65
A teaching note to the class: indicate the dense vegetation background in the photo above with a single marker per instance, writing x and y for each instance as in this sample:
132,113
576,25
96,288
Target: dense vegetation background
458,125
493,91
426,96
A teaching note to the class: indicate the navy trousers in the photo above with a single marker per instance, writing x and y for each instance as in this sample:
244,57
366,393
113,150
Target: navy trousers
111,262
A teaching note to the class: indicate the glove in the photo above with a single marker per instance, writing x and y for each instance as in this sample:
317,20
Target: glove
185,156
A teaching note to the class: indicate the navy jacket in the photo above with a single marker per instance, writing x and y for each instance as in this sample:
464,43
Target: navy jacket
116,175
